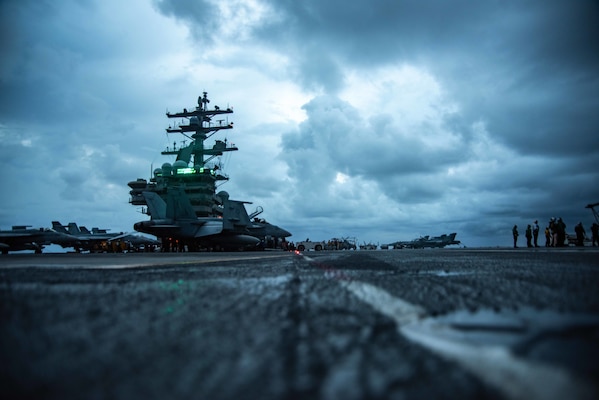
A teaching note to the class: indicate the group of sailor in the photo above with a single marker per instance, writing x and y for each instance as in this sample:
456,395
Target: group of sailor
555,234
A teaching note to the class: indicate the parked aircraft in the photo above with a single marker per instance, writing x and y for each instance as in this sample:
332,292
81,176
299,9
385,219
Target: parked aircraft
83,232
264,230
137,241
175,220
425,241
269,234
99,239
23,238
369,246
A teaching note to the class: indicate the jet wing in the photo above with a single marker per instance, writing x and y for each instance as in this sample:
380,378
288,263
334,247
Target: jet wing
208,228
15,234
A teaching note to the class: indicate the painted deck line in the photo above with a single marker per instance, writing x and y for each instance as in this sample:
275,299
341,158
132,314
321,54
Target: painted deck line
514,377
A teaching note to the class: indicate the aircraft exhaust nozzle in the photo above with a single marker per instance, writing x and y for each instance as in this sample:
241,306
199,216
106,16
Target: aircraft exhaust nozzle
144,226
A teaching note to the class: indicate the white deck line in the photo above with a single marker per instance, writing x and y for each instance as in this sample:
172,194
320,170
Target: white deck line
514,377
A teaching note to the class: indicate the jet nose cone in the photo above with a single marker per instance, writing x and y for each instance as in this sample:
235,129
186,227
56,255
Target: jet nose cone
280,232
285,233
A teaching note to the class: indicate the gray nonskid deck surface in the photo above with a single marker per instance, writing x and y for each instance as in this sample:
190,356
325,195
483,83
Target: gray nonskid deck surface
350,324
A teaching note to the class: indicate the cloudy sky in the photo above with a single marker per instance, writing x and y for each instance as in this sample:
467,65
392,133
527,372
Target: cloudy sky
382,120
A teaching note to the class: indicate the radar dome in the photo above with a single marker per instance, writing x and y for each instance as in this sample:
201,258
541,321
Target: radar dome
167,169
179,164
223,195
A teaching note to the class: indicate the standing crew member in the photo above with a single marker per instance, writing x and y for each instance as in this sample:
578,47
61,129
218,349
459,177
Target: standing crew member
515,235
535,232
561,232
595,232
528,236
553,227
580,234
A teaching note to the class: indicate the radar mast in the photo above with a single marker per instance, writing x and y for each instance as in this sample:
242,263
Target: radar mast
193,168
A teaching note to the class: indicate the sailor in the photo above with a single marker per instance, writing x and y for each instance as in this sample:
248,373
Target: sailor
595,233
561,232
535,232
515,235
528,236
553,227
580,234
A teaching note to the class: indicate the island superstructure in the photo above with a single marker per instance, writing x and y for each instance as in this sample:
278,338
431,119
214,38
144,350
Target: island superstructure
195,167
194,176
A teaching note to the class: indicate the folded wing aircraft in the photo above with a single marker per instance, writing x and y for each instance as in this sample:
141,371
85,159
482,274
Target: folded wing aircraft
425,241
23,237
176,219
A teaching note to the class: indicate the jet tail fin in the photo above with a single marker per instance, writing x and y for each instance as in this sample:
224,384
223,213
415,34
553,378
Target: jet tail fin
58,227
178,205
74,229
235,215
156,206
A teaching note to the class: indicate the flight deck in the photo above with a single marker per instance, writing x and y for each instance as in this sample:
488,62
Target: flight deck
429,323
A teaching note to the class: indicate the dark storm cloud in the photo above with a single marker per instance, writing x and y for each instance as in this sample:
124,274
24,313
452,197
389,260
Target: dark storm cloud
529,69
547,36
203,17
64,61
41,77
69,99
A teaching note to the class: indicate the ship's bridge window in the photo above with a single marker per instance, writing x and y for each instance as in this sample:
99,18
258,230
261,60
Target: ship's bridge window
185,171
202,170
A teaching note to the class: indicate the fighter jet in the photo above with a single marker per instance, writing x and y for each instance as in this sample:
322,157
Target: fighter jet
260,228
425,241
264,230
23,238
137,242
96,240
175,220
99,239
